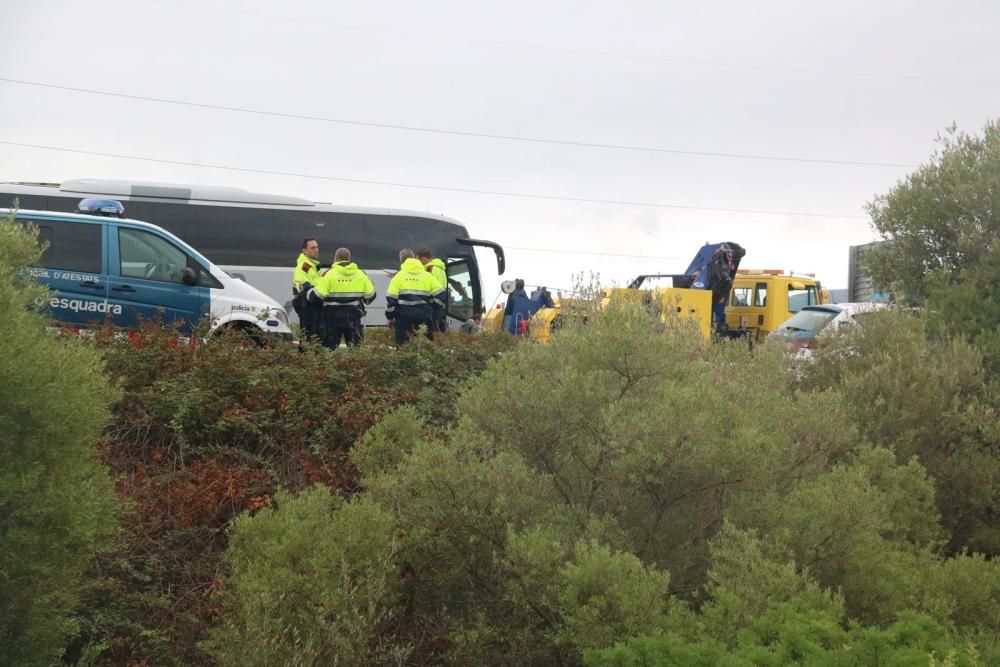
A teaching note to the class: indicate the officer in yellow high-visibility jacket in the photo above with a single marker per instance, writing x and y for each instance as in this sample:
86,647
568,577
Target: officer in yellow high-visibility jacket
411,297
436,268
304,277
345,291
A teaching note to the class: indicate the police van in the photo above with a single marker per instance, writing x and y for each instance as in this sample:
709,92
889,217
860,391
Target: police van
100,266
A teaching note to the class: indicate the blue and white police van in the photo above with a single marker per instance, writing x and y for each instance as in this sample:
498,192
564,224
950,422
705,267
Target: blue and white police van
100,266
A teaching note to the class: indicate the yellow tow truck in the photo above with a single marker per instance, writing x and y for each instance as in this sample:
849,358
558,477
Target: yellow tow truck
722,298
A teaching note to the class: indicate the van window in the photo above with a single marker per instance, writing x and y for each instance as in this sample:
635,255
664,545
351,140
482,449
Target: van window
72,246
148,256
760,299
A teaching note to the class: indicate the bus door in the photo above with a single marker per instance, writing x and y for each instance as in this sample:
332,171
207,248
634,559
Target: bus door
462,289
151,278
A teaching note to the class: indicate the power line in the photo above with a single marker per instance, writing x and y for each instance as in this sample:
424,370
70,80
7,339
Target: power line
498,193
585,52
460,133
561,251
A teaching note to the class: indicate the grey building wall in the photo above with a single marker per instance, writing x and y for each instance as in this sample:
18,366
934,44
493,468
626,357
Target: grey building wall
860,286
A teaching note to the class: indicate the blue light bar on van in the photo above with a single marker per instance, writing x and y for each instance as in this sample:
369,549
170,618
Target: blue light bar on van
105,207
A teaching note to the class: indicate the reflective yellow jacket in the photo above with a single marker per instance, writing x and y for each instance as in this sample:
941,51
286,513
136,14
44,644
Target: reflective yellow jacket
306,271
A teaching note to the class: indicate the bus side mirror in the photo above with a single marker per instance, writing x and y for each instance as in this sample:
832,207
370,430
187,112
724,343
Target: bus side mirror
188,276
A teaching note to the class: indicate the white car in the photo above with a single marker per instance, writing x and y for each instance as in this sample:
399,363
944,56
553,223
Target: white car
802,329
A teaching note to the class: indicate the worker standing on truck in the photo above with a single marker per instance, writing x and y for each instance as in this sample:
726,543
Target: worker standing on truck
304,277
412,294
344,291
721,272
436,268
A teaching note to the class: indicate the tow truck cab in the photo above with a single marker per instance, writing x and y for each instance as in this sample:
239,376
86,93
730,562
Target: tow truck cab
762,299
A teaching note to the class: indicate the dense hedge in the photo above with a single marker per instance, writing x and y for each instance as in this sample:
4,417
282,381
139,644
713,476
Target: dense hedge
203,432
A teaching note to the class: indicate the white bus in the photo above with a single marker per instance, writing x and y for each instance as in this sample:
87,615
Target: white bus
257,237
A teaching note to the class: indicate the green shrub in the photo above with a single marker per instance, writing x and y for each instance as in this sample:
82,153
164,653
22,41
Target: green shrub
929,400
57,501
750,578
603,595
658,429
311,582
454,510
386,444
786,637
864,527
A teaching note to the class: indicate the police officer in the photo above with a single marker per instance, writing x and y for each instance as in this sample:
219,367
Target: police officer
345,290
305,276
411,297
436,268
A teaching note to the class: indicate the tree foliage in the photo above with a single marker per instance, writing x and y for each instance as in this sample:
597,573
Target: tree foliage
57,501
944,217
943,224
920,397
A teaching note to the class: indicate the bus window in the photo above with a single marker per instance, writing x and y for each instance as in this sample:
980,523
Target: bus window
332,231
460,294
177,218
231,235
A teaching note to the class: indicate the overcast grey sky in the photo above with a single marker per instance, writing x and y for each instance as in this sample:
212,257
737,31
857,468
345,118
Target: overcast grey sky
842,82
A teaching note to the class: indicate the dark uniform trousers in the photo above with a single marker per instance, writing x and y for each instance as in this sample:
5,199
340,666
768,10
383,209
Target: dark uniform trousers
310,315
341,323
440,319
408,318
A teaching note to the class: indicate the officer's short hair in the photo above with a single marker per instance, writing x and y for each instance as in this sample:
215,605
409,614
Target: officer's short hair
425,253
342,255
305,242
405,254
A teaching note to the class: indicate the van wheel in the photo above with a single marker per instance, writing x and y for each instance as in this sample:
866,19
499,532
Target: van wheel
244,333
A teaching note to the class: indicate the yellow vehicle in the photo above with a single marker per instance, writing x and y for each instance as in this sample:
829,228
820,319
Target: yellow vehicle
761,300
686,303
722,298
538,327
700,294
